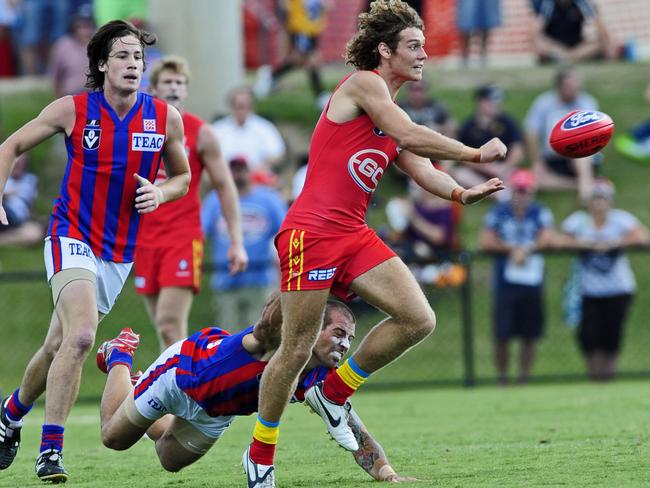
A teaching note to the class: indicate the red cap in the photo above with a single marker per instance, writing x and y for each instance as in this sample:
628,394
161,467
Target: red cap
523,179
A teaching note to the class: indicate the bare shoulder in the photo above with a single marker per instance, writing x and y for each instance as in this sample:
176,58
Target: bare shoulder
174,116
363,81
60,108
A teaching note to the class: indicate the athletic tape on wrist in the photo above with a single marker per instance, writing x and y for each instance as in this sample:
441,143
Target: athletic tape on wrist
457,195
385,471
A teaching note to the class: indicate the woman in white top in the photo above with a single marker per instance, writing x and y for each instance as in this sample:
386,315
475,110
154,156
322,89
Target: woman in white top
606,279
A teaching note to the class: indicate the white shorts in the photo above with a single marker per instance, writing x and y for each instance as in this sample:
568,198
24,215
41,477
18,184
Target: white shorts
162,396
65,253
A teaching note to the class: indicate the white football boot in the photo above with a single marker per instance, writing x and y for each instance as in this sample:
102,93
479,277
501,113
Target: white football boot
258,475
334,416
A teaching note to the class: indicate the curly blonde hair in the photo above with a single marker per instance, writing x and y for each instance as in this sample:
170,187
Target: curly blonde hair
383,23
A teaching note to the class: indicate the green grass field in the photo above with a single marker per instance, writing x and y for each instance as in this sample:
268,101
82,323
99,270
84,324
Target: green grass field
579,435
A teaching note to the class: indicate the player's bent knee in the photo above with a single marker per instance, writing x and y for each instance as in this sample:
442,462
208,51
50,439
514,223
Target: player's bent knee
114,442
170,330
423,324
169,464
82,341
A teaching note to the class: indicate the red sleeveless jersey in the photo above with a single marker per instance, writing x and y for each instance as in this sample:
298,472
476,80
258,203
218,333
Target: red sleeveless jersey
96,204
346,162
179,220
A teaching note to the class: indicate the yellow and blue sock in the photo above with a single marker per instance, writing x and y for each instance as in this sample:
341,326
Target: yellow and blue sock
265,438
338,387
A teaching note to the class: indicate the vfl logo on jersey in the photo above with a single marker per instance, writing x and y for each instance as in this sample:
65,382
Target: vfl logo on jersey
321,274
379,132
367,167
149,125
90,138
581,119
147,142
213,344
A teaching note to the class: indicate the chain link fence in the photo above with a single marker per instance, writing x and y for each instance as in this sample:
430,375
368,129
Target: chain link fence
459,352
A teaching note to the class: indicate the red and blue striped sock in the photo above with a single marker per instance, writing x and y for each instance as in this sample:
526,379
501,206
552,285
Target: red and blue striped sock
119,357
14,410
52,437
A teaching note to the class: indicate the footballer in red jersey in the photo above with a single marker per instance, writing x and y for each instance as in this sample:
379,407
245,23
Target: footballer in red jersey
170,253
116,139
208,379
325,245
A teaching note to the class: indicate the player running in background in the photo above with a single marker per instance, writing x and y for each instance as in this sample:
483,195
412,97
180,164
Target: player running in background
115,139
210,378
325,244
170,252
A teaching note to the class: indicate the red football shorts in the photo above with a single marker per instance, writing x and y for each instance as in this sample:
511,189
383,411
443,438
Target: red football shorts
177,265
317,262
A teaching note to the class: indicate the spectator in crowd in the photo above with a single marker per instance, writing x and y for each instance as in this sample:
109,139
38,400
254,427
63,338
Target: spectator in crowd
425,227
20,193
636,144
68,61
477,18
305,21
7,23
555,172
244,134
488,121
41,23
239,298
559,32
606,279
515,230
427,111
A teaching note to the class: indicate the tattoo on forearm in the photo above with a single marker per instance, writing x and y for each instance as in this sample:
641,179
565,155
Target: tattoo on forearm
369,450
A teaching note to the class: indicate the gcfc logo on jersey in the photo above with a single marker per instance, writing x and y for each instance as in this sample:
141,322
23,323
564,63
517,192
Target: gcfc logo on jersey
367,167
90,136
147,142
580,119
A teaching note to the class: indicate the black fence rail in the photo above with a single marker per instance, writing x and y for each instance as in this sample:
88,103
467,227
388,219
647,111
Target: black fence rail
459,352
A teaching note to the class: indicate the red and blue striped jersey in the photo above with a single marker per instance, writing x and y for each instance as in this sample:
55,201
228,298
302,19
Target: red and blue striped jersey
96,204
217,372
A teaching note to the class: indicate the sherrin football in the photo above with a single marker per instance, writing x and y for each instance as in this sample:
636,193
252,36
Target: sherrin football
581,133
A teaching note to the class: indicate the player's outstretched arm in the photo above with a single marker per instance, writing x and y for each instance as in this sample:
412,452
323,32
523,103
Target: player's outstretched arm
58,116
370,455
221,180
369,93
440,183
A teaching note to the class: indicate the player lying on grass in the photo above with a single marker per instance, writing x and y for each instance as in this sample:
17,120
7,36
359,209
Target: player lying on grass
207,380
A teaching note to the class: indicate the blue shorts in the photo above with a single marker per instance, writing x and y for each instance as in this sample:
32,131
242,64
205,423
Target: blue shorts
518,312
473,15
